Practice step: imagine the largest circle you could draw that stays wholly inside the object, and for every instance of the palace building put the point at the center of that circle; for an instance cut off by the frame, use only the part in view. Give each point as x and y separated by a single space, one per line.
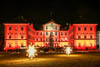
78 36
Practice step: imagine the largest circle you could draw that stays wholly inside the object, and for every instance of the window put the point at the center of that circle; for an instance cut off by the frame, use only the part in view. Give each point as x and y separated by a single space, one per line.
56 27
65 33
46 33
79 45
41 33
22 37
90 28
22 28
85 36
22 45
79 36
37 33
10 28
15 35
51 33
56 39
15 28
41 39
65 39
55 33
9 36
85 28
46 39
61 39
91 45
79 29
9 45
46 27
61 33
90 36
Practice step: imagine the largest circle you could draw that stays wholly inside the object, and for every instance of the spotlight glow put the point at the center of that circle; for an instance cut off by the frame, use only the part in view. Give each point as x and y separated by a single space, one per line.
68 50
31 51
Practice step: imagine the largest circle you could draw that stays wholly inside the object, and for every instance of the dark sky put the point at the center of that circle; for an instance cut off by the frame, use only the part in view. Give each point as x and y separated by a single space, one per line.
40 7
58 8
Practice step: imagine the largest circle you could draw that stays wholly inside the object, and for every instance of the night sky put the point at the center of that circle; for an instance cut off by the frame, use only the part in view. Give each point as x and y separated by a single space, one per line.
59 10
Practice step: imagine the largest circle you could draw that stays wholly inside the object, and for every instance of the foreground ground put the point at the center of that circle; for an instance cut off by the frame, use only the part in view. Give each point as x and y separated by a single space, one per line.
86 59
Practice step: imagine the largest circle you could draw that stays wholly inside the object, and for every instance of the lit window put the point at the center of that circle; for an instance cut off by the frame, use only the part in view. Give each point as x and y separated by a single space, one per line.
22 45
91 45
85 28
9 45
15 28
22 28
79 45
79 29
90 28
65 38
10 28
61 39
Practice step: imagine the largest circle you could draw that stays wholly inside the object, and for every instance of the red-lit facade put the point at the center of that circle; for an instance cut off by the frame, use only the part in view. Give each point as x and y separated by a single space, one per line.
78 36
51 30
83 36
16 35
